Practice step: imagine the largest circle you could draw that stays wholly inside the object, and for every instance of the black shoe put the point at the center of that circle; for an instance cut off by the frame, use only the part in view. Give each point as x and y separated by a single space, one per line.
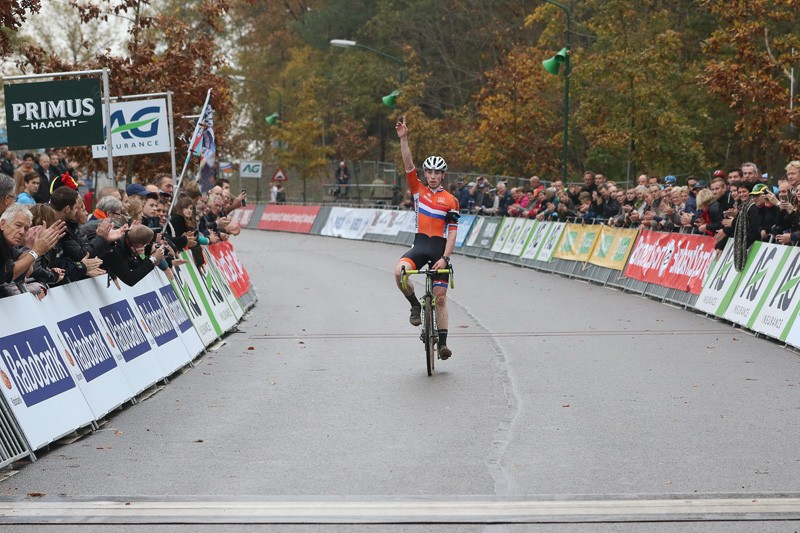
444 352
415 317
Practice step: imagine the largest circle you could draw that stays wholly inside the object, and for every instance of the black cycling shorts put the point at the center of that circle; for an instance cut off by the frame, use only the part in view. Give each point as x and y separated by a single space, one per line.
426 250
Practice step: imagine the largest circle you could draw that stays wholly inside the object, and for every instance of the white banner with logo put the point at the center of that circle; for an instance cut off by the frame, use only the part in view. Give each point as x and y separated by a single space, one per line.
720 284
222 285
137 127
548 248
475 231
250 169
516 232
180 316
762 263
189 295
536 239
348 223
524 234
385 222
776 314
502 235
110 308
95 367
36 382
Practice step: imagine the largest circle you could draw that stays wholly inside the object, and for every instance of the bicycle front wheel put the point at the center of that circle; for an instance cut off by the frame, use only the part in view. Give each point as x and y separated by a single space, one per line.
429 334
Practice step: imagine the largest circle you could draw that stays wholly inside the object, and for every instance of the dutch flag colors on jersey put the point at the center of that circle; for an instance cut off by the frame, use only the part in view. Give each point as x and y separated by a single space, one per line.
432 207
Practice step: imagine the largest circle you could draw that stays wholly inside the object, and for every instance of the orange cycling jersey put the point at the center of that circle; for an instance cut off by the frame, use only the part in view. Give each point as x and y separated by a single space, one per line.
437 211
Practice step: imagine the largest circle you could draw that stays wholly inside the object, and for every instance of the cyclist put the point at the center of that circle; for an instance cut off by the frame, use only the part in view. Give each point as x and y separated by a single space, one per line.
437 221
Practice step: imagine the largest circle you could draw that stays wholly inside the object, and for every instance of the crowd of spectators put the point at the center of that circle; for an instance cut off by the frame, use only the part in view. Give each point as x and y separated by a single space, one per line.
51 237
740 203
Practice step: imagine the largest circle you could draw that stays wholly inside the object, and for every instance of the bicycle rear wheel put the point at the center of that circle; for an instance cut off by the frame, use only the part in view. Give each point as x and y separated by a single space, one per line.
429 335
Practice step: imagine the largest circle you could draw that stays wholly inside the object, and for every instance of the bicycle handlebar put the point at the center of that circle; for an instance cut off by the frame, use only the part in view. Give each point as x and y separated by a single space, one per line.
428 272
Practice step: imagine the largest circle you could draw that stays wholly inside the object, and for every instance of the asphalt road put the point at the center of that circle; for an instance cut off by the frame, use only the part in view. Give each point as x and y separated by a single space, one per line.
566 399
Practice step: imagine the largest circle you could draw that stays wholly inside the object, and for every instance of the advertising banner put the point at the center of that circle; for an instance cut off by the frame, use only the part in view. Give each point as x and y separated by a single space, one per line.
516 233
291 218
503 234
762 263
548 249
475 231
407 222
526 231
348 223
192 300
536 239
112 310
719 284
213 270
488 232
671 260
90 359
385 222
578 241
776 313
212 297
34 376
230 267
180 318
54 113
158 326
464 225
250 169
613 247
243 215
137 127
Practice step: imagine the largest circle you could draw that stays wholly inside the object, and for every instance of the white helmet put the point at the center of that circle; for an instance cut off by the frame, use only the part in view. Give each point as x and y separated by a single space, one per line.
435 162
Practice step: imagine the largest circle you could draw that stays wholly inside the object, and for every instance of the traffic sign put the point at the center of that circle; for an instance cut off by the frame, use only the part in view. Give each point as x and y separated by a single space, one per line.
279 175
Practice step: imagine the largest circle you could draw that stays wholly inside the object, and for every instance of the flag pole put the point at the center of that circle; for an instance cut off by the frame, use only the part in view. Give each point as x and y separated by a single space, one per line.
188 156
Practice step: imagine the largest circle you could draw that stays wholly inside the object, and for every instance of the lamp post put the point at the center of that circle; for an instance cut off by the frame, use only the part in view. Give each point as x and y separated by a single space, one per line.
344 43
273 116
552 65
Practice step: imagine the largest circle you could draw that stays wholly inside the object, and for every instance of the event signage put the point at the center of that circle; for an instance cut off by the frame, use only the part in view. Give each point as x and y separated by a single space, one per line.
137 127
250 169
548 249
125 329
762 263
776 313
85 344
384 222
475 231
194 301
516 233
613 247
526 231
674 260
155 318
177 312
291 218
231 268
464 225
488 234
536 239
348 223
720 283
503 234
54 113
578 242
243 215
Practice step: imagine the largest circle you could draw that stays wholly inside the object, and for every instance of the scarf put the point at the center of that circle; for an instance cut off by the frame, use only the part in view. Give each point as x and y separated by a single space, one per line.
740 231
99 214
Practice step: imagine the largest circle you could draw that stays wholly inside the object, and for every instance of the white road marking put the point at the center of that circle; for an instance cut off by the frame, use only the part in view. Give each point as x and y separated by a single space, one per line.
372 511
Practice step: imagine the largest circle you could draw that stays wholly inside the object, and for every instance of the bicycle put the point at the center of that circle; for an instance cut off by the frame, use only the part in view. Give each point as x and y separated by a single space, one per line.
429 334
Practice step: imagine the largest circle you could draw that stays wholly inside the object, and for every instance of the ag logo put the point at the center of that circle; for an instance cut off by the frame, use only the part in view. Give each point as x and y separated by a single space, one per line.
755 281
605 246
726 266
569 241
140 126
788 286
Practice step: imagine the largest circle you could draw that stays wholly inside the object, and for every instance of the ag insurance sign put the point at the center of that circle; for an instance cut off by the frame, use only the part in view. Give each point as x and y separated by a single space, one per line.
54 113
137 127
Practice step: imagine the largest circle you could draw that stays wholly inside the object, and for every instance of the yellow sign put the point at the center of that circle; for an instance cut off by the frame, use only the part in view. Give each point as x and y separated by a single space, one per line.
577 242
613 247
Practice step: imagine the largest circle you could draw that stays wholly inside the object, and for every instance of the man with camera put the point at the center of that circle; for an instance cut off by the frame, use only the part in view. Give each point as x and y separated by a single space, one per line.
134 256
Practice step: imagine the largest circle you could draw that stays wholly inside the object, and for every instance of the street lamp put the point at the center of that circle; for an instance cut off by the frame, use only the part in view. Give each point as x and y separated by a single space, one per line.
271 119
388 100
553 66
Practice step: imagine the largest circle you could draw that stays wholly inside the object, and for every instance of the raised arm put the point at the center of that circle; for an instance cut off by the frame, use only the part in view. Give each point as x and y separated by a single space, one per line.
402 132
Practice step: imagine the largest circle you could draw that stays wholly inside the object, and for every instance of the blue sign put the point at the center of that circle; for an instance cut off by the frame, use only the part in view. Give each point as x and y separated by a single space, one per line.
125 330
36 369
85 342
156 318
176 308
464 224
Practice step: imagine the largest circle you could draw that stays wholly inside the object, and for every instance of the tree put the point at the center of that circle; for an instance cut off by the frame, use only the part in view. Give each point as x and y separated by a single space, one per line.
12 17
750 55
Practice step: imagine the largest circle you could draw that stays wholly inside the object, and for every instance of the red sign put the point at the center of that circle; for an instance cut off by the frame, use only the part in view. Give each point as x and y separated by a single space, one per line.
279 175
232 269
672 260
291 218
242 215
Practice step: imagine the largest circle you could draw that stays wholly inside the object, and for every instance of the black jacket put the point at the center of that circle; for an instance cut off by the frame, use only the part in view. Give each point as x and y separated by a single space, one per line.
125 264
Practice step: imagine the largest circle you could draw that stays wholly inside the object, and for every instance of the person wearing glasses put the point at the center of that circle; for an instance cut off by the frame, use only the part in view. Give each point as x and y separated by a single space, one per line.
108 207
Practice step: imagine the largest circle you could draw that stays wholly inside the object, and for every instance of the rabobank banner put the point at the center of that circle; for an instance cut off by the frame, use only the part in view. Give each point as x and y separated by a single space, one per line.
137 127
672 260
54 113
